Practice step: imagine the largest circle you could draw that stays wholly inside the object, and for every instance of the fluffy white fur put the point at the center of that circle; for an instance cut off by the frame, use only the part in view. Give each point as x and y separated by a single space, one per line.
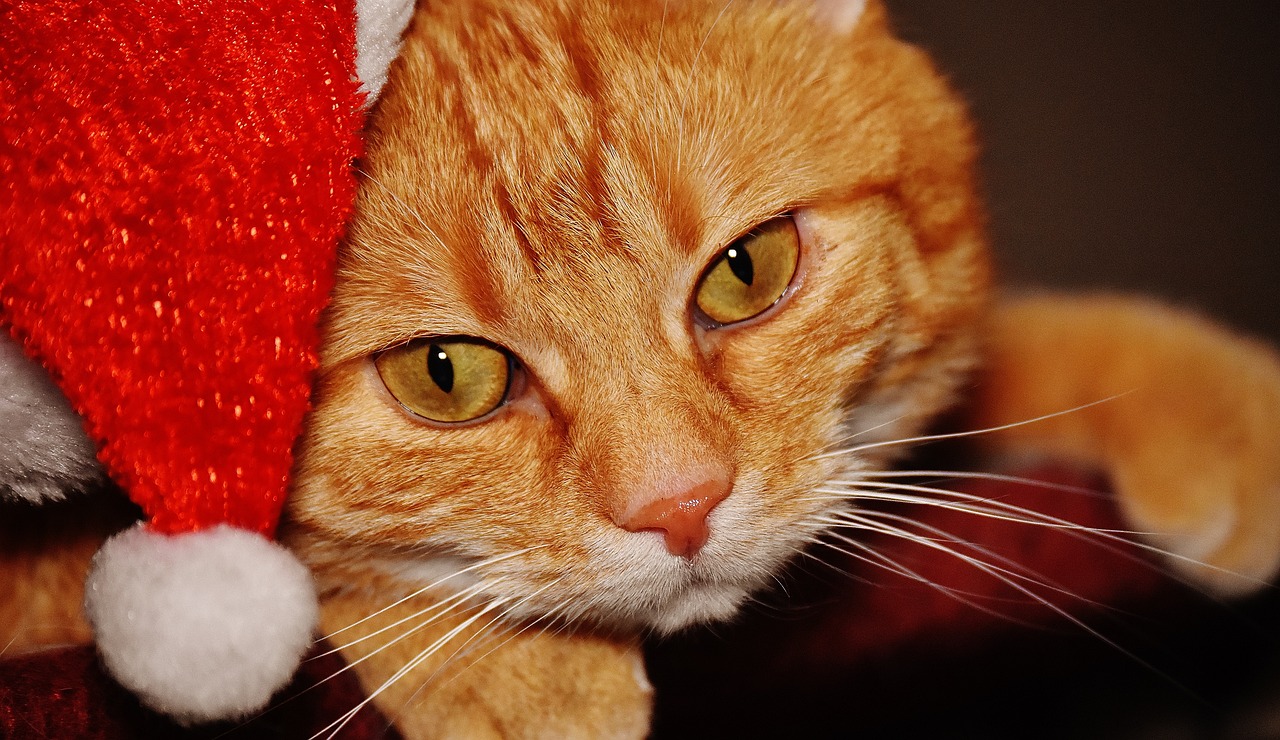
379 25
44 451
201 626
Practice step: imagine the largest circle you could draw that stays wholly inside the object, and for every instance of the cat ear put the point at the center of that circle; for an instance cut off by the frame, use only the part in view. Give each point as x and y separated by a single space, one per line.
840 15
379 25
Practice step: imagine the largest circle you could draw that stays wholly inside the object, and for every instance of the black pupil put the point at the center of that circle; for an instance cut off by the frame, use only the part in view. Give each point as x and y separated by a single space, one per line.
440 367
741 265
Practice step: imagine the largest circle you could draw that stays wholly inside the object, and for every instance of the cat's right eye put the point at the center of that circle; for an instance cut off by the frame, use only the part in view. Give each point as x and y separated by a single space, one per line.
449 379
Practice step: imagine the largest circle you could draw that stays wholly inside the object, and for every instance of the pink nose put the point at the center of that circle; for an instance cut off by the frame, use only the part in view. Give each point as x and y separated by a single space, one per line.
682 518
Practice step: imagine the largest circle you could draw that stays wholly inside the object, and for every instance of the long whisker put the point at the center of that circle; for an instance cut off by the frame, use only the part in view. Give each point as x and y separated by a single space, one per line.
457 598
475 566
9 644
484 632
444 606
477 639
854 435
881 560
1005 576
995 573
970 433
1011 568
824 543
1113 535
979 475
334 727
977 505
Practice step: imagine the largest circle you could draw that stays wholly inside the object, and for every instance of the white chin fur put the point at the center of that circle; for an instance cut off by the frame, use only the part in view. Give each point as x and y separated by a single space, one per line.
698 605
201 626
44 451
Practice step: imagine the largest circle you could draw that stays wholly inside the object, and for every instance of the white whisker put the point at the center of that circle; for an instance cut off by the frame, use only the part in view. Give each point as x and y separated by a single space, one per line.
482 631
334 727
1011 568
1034 517
978 475
446 604
475 566
546 615
885 562
855 435
1116 536
1000 575
977 505
458 598
959 435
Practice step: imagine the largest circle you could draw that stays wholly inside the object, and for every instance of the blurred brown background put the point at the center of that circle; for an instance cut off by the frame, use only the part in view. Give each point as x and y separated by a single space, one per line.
1130 144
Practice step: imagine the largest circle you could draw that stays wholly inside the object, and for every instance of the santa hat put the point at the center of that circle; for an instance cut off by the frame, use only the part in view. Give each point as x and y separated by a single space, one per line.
174 179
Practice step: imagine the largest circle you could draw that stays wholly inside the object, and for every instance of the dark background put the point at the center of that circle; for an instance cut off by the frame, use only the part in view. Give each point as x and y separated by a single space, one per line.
1127 145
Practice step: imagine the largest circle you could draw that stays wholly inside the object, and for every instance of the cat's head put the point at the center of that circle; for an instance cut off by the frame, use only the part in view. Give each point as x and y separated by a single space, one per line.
621 274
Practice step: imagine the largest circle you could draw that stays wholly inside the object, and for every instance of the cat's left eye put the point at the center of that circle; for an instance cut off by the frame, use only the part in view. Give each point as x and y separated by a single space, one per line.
449 379
751 274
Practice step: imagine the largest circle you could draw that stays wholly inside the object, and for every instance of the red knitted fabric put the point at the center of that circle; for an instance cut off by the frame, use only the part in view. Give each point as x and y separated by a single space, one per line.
174 178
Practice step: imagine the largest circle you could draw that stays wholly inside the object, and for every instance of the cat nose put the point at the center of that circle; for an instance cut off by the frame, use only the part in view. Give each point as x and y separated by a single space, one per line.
681 518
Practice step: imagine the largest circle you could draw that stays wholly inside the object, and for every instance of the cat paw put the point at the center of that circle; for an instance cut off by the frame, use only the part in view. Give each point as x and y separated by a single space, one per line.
575 687
505 682
1195 450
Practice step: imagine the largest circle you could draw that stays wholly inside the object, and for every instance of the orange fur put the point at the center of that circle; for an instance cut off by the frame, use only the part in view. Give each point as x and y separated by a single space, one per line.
44 557
553 177
1189 434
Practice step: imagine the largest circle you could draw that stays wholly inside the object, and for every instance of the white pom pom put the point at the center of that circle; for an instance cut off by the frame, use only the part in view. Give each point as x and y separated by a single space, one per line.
201 626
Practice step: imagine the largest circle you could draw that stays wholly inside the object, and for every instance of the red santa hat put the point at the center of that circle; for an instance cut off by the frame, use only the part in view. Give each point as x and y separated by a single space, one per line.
174 180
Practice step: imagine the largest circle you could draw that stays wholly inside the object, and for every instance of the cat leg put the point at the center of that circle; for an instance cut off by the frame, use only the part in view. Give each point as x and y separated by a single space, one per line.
480 679
1183 415
45 553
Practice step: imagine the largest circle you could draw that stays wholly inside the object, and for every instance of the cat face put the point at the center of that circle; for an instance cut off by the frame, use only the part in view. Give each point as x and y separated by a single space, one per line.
549 364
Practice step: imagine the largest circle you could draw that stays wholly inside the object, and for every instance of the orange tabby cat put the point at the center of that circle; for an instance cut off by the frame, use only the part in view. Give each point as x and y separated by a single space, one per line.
628 282
623 276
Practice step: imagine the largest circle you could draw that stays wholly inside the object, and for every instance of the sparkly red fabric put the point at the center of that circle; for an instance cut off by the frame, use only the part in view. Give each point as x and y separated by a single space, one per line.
174 178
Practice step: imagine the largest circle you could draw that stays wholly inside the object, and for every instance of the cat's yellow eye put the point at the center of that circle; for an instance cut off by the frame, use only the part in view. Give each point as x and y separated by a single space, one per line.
448 380
751 274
